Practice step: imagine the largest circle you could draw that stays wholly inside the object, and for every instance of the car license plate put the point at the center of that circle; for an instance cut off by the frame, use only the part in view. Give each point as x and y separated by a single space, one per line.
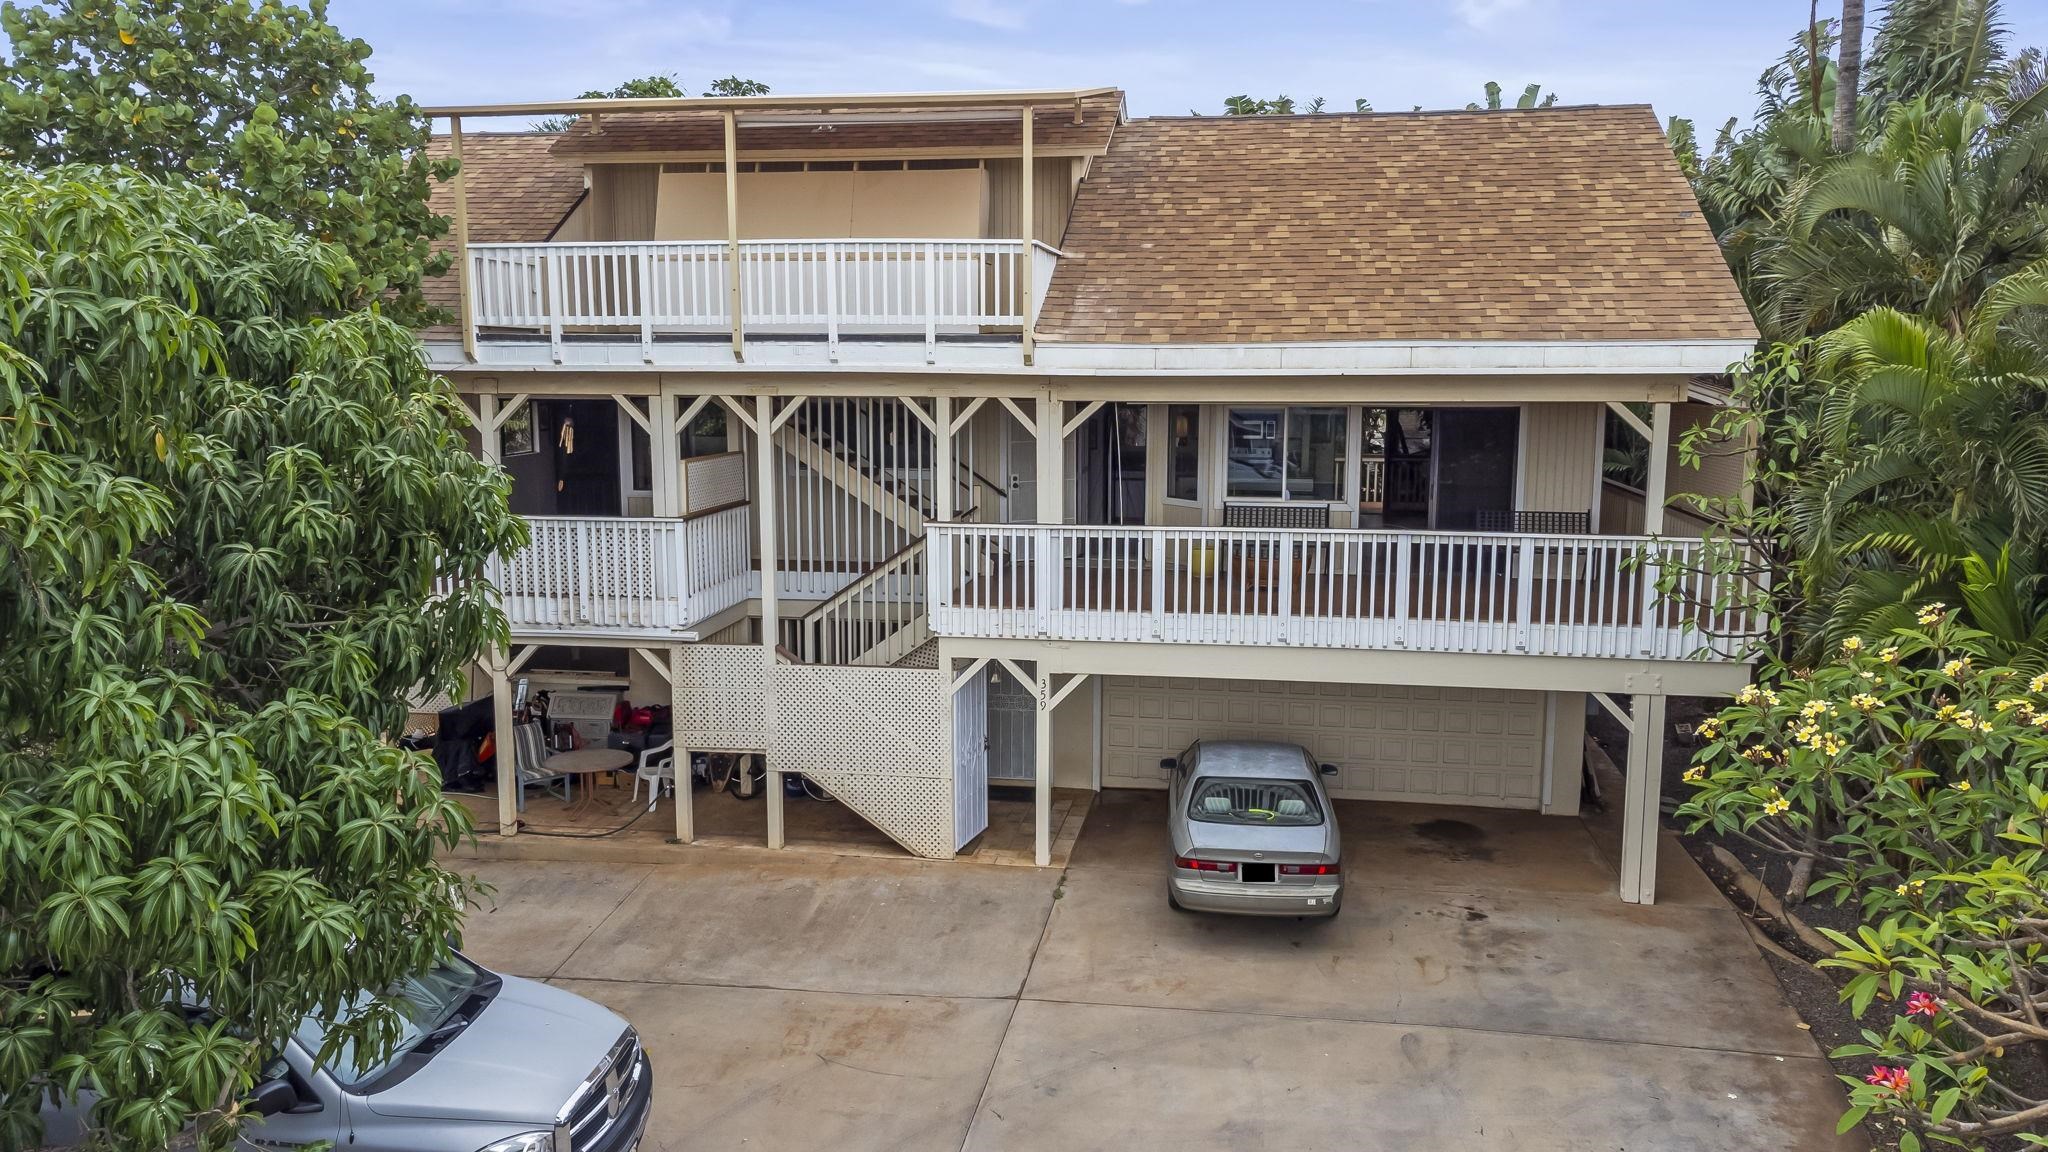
1256 873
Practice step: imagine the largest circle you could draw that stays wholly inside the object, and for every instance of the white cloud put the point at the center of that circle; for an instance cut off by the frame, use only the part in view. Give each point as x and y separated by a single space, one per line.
1481 14
987 13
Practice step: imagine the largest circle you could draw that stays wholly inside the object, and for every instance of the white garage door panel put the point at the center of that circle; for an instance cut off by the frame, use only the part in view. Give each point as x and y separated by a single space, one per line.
1391 742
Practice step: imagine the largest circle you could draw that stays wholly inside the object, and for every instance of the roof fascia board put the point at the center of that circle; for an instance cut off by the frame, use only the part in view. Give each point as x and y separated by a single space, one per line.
1419 357
760 153
796 102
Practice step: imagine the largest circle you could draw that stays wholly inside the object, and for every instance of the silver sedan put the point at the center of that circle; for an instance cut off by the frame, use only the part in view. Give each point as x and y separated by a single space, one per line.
1253 831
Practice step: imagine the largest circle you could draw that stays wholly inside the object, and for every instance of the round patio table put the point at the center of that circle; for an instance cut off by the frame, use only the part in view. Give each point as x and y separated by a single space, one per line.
584 764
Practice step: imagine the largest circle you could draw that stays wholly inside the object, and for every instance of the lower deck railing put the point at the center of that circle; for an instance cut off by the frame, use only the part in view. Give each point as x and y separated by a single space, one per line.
627 573
1400 591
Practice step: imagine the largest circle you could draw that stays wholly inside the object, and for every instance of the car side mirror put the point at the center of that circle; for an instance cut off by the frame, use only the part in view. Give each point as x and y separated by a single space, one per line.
272 1097
1169 764
1327 769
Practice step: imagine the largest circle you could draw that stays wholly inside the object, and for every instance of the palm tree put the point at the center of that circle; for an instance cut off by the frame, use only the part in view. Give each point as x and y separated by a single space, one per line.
1849 68
1943 204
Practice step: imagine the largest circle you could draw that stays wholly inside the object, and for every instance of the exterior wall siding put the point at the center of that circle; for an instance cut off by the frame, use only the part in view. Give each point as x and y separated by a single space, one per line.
621 202
1051 195
1391 742
1561 465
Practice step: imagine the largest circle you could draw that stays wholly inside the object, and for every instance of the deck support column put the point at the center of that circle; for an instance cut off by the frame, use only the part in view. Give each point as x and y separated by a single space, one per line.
1027 270
465 315
765 509
1659 464
942 457
1052 461
498 663
1041 774
1641 797
732 237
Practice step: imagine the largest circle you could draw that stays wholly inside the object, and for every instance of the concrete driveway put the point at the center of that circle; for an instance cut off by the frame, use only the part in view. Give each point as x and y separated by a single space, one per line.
1482 986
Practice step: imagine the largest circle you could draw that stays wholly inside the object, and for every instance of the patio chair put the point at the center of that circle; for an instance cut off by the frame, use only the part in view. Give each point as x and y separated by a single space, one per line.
529 762
655 764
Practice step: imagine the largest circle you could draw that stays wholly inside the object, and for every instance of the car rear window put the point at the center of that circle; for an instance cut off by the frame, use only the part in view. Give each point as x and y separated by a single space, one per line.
1231 800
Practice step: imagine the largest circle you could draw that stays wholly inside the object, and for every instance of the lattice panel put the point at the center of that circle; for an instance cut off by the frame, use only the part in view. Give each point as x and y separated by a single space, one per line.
877 739
720 692
713 482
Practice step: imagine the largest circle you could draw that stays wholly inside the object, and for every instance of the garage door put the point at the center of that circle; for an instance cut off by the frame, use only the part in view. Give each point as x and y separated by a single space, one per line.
1390 742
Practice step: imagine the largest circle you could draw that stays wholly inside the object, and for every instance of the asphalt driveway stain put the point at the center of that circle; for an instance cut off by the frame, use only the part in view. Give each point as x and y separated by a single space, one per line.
1455 839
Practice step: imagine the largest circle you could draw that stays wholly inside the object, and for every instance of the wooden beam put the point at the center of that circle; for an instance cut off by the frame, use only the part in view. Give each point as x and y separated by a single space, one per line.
632 411
1654 494
1640 800
1011 667
1030 424
1025 274
690 413
1615 710
973 670
789 411
732 235
765 509
504 413
1629 417
465 314
1073 681
505 739
658 660
520 658
961 418
736 405
1041 776
910 402
1080 418
947 478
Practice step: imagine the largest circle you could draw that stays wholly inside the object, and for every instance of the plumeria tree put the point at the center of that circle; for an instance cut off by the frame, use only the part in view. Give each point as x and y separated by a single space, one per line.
1913 773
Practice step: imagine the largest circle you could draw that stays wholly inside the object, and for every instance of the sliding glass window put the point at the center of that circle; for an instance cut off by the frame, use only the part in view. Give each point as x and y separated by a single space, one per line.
1286 453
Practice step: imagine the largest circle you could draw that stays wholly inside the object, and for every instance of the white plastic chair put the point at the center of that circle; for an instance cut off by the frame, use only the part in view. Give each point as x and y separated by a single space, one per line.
655 765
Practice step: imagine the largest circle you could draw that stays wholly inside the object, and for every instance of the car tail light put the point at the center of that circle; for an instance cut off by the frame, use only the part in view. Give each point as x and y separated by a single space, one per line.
1310 869
1194 865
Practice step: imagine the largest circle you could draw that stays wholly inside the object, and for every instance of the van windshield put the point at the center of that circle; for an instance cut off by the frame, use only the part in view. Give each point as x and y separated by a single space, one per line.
1233 800
424 1003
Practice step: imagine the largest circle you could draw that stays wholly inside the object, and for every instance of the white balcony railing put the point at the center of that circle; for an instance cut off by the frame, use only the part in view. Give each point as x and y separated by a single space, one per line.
639 574
642 291
1398 591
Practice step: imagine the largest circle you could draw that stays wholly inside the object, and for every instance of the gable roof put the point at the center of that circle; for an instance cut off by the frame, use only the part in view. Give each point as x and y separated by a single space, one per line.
1054 129
1544 224
518 191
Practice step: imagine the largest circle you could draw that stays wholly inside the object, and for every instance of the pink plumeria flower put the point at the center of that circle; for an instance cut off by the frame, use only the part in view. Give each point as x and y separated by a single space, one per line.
1896 1079
1922 1004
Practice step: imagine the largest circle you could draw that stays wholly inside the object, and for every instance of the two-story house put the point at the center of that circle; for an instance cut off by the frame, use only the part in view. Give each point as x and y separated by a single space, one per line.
927 442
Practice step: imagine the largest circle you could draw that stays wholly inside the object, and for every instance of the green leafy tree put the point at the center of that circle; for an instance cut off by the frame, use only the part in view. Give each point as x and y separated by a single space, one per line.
1532 96
1911 774
228 497
267 101
664 86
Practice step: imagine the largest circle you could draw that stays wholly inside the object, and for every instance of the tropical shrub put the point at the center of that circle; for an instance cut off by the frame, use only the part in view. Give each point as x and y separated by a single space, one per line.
1913 773
225 501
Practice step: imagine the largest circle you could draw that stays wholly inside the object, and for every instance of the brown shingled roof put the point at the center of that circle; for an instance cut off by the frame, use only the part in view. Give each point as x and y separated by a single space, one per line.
1553 224
518 191
1053 130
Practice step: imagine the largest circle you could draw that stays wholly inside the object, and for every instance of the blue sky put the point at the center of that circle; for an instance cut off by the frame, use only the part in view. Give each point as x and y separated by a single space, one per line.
1696 58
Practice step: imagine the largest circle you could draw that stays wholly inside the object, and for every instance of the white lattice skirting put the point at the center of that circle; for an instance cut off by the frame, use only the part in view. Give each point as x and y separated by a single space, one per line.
719 697
876 738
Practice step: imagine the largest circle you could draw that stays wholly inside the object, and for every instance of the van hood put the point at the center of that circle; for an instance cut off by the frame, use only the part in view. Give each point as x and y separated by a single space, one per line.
518 1061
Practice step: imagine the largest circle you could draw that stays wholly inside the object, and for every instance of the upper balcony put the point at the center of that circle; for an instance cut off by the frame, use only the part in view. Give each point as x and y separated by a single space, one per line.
893 231
926 301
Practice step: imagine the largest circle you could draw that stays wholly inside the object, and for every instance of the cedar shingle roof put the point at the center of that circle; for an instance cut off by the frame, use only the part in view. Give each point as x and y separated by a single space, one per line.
1052 129
518 191
1552 224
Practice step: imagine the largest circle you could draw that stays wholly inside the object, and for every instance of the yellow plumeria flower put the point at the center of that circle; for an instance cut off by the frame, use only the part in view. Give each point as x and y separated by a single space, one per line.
1770 698
2038 683
1832 744
1932 614
1901 889
1864 702
1962 785
1947 712
1709 728
1853 644
1750 695
1956 667
2009 705
1777 807
1889 655
1694 774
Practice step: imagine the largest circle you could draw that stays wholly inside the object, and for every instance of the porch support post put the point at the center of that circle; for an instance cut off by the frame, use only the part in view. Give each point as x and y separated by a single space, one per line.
661 455
1640 798
1026 270
942 457
1660 454
1052 461
498 663
464 313
732 235
1041 777
771 621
